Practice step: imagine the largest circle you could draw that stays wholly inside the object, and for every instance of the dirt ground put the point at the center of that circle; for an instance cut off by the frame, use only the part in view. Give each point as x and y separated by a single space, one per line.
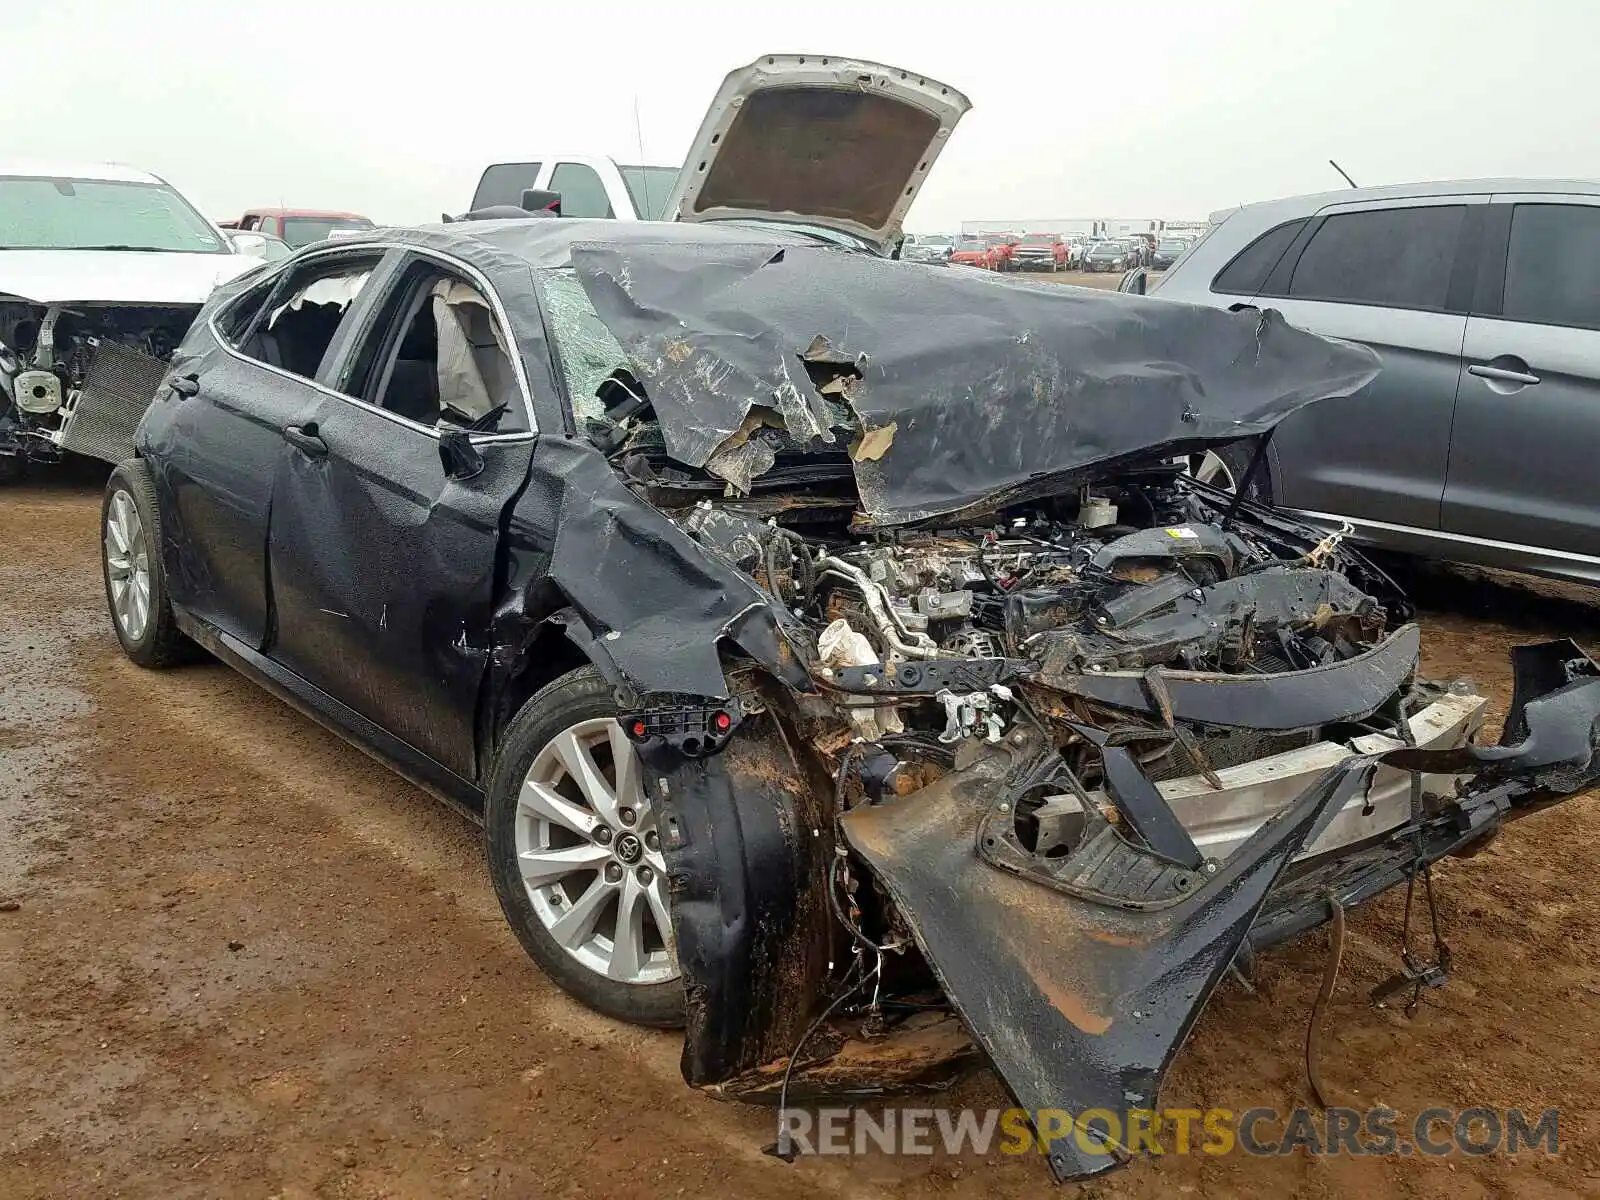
237 958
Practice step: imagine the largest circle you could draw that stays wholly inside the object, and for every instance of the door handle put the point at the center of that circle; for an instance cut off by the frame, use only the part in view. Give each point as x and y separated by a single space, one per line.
1501 374
184 385
306 439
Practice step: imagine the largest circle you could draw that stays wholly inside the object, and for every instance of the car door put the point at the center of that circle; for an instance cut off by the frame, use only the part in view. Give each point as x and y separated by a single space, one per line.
214 435
1527 428
1397 275
386 512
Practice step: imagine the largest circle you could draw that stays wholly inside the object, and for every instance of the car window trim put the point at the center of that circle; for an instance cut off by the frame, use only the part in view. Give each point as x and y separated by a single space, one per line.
1488 298
479 280
1276 284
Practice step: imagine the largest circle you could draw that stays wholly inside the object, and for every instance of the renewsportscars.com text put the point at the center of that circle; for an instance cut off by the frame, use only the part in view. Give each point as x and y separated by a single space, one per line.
1434 1132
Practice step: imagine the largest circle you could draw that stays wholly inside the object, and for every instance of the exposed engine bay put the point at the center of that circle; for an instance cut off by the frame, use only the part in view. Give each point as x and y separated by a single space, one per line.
961 625
1085 757
53 356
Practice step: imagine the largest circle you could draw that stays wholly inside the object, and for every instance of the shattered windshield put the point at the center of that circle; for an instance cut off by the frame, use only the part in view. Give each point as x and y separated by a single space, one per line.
588 351
44 213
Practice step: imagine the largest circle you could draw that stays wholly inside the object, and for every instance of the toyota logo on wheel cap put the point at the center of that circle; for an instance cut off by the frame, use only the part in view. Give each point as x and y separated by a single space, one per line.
629 848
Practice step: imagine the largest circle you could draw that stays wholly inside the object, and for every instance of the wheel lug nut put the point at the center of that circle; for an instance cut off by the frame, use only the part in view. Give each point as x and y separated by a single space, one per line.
613 872
652 840
628 816
646 874
602 834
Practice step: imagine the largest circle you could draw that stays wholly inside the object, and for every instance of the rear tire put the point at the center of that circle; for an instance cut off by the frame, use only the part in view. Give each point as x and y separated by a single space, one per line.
551 863
130 561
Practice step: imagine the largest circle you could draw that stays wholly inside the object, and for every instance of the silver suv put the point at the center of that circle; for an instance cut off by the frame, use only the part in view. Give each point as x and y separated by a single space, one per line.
1480 439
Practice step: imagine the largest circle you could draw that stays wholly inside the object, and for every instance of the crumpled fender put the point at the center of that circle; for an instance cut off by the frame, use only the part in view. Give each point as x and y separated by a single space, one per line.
1081 999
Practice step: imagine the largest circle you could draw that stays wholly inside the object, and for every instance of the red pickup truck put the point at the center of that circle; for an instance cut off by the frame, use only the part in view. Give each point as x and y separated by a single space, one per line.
298 226
1040 252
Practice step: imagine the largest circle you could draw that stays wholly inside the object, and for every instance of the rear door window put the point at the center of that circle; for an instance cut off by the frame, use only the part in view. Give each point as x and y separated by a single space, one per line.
504 183
293 323
1553 266
1394 257
582 192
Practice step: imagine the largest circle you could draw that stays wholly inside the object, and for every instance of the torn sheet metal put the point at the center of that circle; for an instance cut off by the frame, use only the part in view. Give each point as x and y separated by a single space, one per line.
997 389
649 606
1348 690
1079 1005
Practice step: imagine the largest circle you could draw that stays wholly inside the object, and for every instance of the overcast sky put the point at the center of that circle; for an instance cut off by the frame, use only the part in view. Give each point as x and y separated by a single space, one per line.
1141 108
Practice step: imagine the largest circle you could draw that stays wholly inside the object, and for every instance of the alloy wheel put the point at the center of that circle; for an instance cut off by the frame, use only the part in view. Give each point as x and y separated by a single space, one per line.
1209 467
589 852
127 550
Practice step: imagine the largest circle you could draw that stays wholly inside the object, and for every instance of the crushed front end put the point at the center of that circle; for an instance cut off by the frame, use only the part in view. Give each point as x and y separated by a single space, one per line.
1055 777
981 732
77 377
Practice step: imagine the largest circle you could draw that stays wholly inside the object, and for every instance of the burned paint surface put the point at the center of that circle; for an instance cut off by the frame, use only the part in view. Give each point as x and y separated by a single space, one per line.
994 387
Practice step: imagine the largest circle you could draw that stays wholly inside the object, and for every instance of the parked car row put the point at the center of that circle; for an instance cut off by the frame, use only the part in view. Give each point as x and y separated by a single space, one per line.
1046 251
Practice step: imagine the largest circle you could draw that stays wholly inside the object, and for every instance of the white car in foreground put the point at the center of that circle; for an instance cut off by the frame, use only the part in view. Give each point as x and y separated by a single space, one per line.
102 269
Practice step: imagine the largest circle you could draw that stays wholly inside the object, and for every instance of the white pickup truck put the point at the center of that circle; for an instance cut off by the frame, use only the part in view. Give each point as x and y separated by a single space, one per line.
590 186
833 148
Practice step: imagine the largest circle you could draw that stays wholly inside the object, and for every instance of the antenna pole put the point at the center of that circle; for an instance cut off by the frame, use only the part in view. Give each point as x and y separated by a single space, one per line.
1341 171
644 175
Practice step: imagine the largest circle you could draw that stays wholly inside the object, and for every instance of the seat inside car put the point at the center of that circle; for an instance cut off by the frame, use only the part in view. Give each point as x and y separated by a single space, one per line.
451 363
411 389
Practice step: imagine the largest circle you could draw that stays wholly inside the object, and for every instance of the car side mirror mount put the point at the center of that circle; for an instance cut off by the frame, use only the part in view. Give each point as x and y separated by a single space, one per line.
1134 282
460 458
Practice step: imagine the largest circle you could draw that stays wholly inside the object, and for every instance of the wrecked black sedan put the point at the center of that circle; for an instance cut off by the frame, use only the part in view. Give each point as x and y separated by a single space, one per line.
832 654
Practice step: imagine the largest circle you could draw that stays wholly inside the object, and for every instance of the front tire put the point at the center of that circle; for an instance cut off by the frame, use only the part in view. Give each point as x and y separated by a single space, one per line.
130 560
575 855
1225 468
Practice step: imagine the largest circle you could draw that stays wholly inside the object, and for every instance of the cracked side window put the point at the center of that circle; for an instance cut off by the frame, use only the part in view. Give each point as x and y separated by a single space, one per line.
589 353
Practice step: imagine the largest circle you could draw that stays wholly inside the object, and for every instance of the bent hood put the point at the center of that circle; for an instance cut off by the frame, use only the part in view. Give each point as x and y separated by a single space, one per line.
116 276
951 388
835 142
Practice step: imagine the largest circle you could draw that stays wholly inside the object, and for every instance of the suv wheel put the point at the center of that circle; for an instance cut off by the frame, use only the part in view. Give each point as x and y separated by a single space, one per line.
575 854
130 556
1226 467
